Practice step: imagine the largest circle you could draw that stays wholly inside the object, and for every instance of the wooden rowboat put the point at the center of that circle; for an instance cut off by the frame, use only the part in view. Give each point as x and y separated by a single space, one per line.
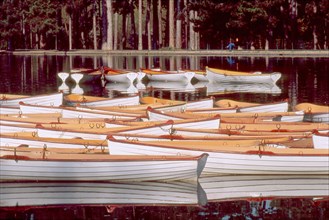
313 112
321 140
253 107
54 194
166 76
225 76
71 112
120 76
54 99
94 101
34 141
22 164
257 159
85 75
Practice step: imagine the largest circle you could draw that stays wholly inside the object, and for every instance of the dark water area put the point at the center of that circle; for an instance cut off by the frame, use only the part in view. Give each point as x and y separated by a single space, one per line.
303 80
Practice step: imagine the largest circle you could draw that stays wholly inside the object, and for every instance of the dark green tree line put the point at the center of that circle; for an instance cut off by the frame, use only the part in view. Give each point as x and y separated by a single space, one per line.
197 24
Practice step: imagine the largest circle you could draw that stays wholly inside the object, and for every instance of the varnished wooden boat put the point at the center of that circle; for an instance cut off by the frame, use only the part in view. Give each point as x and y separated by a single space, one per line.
97 131
314 112
9 110
22 164
166 76
54 99
45 118
120 76
94 101
321 140
224 76
34 141
85 75
243 158
254 107
72 112
200 75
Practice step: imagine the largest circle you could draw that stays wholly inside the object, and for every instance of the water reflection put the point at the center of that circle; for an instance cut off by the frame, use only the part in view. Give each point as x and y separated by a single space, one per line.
101 193
302 78
219 197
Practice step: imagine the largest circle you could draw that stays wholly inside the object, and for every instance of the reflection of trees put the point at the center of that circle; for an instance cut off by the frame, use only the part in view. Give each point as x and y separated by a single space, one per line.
297 208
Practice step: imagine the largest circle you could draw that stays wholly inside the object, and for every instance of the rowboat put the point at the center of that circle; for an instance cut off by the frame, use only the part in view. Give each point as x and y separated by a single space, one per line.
228 114
54 99
63 76
220 137
85 75
166 76
55 194
24 164
213 110
224 76
45 118
97 131
253 107
313 112
242 158
195 104
9 110
34 141
239 133
120 76
321 140
94 101
263 187
279 126
71 112
200 75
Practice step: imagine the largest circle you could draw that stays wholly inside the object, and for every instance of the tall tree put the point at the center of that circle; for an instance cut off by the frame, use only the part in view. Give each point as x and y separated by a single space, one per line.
140 34
171 25
178 26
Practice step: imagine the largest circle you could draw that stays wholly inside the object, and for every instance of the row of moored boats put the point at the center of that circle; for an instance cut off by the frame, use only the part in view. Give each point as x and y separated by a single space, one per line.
56 137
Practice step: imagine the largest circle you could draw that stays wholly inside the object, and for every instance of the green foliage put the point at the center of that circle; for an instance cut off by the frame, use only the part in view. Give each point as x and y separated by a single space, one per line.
217 22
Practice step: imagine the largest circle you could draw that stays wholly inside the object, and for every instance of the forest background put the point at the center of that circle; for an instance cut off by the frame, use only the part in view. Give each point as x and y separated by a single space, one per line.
163 24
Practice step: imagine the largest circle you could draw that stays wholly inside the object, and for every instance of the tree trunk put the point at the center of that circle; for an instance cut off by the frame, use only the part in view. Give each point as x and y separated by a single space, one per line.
124 33
133 25
160 24
148 24
109 40
192 37
171 24
115 43
178 27
293 22
196 34
155 36
140 35
94 27
70 33
104 25
315 36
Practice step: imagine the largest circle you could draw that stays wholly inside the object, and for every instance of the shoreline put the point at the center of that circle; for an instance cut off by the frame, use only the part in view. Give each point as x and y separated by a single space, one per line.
256 53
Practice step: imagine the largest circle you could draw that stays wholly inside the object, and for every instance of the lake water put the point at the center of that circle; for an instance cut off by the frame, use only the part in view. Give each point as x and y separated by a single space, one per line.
303 80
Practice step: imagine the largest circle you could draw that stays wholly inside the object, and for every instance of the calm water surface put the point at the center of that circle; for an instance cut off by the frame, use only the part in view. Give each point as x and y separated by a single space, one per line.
303 80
